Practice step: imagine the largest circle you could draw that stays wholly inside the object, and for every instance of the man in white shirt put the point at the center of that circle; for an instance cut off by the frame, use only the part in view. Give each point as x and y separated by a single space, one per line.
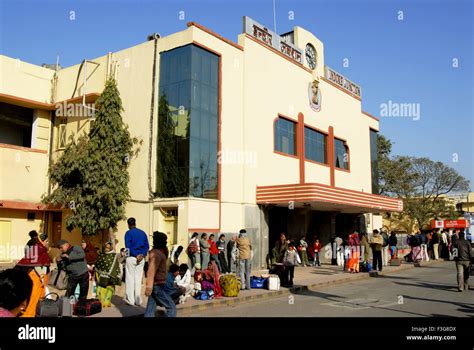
183 280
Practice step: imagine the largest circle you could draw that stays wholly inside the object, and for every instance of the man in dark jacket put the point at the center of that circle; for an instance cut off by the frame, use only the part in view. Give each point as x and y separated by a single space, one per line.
72 258
463 261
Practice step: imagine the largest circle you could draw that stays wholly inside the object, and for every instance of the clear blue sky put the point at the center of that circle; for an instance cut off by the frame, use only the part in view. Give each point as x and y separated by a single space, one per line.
407 61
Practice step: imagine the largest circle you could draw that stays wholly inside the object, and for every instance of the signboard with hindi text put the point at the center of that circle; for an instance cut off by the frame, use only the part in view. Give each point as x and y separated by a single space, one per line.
272 39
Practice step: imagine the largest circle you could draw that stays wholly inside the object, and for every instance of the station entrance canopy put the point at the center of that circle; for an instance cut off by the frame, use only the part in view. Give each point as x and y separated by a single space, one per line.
327 198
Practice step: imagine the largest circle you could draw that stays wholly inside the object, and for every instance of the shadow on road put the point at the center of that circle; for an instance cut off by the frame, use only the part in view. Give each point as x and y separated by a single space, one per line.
446 287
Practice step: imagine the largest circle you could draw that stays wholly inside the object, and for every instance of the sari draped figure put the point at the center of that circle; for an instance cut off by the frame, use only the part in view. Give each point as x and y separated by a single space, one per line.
36 263
107 277
211 276
354 257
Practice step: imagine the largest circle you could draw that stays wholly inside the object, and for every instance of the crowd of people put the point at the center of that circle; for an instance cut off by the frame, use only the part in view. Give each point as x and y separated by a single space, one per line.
170 280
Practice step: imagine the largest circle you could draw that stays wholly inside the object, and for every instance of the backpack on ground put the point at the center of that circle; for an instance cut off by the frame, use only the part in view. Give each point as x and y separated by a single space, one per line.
204 295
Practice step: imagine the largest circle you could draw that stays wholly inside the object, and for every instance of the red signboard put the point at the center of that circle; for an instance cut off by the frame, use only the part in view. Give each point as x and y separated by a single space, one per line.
449 223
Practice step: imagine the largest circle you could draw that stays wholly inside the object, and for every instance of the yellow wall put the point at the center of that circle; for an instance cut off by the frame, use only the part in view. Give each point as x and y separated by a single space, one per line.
25 80
20 227
23 174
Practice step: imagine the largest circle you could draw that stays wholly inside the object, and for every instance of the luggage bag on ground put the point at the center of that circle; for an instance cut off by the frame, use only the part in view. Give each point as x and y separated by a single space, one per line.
230 285
58 279
48 307
273 282
87 307
258 282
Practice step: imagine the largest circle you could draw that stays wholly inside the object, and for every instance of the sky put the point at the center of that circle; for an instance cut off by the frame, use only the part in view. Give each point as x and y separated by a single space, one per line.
415 52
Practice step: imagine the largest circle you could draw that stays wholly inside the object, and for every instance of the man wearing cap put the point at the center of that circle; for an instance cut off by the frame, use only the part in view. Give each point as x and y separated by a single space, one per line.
73 259
137 246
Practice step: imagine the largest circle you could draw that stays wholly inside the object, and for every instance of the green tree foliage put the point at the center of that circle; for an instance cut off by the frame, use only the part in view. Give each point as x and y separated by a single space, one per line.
171 180
91 176
421 183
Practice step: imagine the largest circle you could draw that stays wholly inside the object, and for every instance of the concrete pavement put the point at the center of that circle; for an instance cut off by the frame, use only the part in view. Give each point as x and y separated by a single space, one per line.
305 278
428 291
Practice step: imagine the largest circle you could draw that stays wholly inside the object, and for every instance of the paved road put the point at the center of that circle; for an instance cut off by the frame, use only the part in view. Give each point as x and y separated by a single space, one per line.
423 291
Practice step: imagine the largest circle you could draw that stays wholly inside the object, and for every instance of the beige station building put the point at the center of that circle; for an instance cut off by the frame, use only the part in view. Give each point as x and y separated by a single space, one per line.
266 137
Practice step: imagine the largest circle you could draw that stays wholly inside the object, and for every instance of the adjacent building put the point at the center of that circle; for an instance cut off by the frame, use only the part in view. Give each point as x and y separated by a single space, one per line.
263 136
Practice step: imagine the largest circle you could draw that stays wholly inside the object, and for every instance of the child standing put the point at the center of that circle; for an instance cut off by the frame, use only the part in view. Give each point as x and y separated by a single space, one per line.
317 249
290 260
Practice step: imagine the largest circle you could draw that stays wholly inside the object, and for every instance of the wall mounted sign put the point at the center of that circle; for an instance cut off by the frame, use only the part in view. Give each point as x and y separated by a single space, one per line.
342 81
314 95
449 223
272 39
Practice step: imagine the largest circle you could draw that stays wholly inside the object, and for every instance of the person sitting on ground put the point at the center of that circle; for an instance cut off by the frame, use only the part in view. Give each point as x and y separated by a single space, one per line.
210 278
36 263
290 260
15 290
183 280
175 254
170 288
197 281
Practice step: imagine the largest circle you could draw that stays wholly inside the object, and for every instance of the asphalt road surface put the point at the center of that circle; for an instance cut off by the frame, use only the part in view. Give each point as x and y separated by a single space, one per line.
419 292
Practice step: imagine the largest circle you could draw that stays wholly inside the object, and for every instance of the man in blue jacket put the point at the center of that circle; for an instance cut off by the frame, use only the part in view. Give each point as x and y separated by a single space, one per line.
137 246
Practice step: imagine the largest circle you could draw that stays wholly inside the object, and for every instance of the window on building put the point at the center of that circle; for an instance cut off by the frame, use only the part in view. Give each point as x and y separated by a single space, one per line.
16 124
341 154
285 136
315 145
188 123
62 139
374 161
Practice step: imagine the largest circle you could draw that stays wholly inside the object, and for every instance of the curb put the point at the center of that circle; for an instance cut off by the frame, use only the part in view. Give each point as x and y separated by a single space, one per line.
217 303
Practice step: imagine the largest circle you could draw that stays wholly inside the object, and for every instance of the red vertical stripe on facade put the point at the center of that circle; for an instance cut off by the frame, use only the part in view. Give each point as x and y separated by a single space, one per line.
331 155
300 145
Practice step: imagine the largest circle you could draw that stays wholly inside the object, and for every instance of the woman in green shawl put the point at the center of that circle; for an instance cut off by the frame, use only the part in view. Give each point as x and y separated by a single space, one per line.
107 274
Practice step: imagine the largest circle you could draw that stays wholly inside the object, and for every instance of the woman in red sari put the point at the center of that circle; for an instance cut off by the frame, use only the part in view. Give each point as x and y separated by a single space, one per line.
36 263
354 246
212 275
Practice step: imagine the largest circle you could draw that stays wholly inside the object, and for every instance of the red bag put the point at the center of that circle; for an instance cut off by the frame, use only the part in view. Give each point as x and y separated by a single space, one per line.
87 307
193 247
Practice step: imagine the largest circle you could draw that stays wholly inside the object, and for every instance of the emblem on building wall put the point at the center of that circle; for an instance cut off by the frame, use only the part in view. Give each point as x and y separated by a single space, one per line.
314 94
